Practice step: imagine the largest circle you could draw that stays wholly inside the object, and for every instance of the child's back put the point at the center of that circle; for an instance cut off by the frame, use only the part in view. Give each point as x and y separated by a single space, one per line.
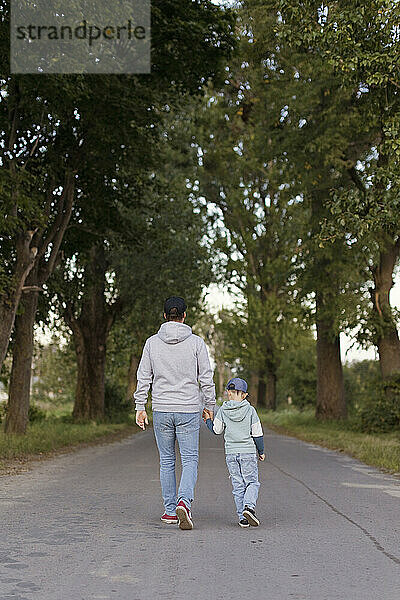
241 426
240 423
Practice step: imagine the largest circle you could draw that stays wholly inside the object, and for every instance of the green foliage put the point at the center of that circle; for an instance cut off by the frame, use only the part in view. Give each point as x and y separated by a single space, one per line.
90 128
374 405
54 375
355 48
381 411
116 406
360 382
380 449
51 435
35 414
297 377
272 147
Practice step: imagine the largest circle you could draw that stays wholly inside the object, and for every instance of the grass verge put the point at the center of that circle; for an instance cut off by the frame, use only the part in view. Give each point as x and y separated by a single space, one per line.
47 437
380 450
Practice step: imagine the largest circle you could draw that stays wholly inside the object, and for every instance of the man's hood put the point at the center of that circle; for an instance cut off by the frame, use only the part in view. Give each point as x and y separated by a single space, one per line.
236 411
173 332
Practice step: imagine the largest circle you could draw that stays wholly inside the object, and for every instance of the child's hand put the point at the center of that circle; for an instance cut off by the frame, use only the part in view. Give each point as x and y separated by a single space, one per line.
261 457
206 415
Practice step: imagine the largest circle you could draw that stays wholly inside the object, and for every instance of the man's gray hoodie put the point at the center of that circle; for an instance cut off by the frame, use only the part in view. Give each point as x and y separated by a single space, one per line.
174 362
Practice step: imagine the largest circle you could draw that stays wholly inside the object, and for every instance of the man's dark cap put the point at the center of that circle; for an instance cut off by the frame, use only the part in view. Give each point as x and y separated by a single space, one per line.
175 302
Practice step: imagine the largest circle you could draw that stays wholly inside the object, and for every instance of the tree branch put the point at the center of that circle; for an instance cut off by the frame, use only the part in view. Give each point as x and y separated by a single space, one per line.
357 180
59 227
66 216
113 311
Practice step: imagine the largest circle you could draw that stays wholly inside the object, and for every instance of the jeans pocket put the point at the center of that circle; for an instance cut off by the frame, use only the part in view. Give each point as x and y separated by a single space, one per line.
187 423
161 422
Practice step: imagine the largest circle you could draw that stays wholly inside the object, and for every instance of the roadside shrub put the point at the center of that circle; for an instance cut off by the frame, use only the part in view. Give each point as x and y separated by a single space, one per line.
116 406
381 413
297 375
361 382
35 413
2 411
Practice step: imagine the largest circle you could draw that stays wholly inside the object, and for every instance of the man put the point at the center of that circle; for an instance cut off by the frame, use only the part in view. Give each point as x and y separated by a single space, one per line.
174 362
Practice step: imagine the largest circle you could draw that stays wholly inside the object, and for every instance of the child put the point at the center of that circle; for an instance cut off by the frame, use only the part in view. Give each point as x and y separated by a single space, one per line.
243 435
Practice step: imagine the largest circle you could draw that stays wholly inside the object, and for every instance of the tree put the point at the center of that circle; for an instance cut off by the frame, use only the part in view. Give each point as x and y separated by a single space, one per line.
37 185
104 142
367 61
257 172
319 134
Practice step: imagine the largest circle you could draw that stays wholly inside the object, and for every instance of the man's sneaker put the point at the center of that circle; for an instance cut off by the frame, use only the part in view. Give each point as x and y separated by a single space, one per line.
250 515
244 523
184 515
170 519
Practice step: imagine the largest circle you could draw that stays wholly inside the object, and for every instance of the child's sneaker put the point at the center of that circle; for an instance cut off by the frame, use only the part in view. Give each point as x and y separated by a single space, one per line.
244 523
169 519
250 515
184 515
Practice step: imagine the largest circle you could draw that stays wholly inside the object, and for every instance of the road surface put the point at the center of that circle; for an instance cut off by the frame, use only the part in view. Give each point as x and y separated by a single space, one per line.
85 526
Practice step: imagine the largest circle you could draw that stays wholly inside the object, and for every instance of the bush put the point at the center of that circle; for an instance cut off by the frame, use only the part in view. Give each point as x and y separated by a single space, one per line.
3 406
116 406
382 412
360 383
35 413
297 375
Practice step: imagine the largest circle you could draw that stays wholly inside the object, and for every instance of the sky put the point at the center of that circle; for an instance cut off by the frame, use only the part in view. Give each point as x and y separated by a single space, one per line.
218 298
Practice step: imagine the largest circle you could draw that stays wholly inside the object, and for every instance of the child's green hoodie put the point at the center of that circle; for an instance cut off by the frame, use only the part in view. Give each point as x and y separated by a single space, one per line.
240 423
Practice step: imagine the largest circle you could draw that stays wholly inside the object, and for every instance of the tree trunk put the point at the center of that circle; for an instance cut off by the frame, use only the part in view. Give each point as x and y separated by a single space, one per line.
90 347
25 258
90 331
261 392
270 390
387 337
20 380
331 402
132 380
267 389
220 366
253 388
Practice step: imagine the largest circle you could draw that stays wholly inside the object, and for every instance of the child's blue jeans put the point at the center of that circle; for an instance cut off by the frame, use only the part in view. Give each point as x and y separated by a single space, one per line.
243 471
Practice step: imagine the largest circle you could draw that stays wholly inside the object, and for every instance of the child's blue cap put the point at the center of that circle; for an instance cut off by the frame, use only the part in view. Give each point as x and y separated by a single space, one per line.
237 384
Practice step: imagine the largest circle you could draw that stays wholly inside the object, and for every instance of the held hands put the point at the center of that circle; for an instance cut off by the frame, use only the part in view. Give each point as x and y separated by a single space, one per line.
261 457
207 414
142 419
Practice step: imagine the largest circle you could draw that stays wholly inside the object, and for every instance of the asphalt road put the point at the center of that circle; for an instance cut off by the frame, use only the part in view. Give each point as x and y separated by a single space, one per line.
86 526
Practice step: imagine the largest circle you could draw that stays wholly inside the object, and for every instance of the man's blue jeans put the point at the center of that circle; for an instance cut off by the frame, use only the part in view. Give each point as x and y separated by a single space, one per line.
243 471
184 427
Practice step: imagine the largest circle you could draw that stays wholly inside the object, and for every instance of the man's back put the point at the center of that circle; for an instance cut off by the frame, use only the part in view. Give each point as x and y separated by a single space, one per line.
175 361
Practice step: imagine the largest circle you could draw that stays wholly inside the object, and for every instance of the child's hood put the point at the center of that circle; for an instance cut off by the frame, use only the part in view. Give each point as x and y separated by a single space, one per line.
236 411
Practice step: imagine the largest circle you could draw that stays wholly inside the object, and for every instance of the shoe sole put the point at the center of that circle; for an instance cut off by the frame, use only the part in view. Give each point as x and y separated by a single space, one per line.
185 521
244 526
251 518
169 522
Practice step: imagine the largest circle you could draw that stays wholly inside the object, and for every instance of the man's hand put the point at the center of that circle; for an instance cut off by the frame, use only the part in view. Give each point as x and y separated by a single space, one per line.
142 419
261 457
207 414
